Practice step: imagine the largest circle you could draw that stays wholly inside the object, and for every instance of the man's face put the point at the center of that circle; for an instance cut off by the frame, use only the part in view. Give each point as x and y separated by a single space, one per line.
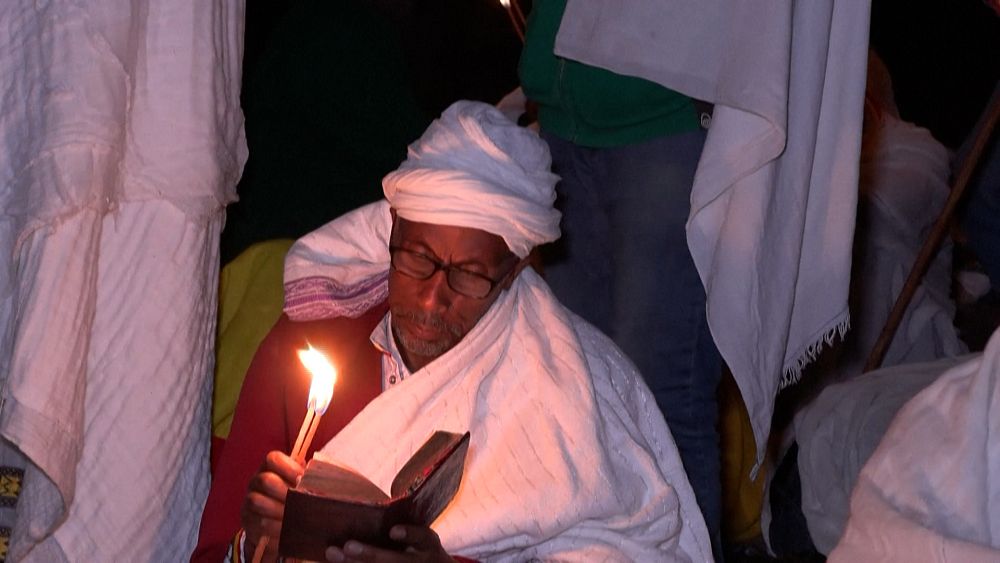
429 317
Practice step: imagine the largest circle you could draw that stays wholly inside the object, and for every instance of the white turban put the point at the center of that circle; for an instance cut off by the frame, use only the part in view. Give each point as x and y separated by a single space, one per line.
475 168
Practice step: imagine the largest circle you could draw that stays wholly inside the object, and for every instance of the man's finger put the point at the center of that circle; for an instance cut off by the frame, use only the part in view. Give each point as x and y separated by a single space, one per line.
422 544
263 506
284 466
269 484
357 552
264 527
258 527
420 538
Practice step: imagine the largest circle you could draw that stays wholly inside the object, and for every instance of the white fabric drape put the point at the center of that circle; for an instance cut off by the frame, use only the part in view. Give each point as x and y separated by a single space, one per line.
773 204
904 175
930 491
120 142
838 432
904 185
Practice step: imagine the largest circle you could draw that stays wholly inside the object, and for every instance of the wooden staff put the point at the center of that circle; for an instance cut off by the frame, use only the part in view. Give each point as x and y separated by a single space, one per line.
929 250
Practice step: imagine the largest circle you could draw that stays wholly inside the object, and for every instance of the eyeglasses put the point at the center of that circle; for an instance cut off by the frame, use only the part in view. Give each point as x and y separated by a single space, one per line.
421 267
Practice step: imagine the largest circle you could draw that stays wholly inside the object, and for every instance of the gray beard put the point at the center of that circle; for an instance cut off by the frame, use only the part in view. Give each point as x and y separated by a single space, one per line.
423 347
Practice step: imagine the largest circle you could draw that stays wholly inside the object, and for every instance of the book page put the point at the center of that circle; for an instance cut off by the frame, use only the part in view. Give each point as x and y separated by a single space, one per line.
334 481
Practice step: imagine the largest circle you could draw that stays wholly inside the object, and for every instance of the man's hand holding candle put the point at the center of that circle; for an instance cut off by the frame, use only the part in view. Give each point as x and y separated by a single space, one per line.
264 505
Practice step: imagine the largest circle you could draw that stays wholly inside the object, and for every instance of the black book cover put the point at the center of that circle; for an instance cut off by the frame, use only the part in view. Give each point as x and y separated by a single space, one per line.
332 504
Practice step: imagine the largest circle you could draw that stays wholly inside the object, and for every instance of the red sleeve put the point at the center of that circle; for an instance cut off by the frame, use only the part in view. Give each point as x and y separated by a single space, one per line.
258 427
271 408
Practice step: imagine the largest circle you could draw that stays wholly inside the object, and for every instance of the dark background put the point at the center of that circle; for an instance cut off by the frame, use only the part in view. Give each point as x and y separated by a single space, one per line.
455 49
944 58
333 90
944 55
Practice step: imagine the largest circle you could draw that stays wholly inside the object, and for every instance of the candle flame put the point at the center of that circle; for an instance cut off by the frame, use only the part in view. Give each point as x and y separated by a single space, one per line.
505 3
324 377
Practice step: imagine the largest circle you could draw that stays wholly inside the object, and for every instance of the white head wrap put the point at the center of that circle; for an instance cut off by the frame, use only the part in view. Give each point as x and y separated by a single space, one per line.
475 168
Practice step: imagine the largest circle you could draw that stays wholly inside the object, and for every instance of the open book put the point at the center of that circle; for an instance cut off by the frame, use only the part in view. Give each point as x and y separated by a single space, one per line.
333 504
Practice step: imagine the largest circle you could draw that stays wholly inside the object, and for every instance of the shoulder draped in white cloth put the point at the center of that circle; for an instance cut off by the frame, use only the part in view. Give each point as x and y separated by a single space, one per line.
773 203
570 458
931 492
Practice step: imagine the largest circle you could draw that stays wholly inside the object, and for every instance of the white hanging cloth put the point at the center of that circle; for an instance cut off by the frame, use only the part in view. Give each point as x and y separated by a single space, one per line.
121 139
773 203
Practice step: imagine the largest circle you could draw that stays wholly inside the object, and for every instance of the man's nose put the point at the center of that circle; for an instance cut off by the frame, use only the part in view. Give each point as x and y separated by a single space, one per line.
435 293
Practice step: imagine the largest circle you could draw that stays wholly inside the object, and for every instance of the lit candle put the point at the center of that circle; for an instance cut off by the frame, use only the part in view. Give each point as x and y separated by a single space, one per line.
324 377
516 17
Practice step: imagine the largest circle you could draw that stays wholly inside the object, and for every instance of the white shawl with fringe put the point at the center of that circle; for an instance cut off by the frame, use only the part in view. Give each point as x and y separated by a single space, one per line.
773 203
569 458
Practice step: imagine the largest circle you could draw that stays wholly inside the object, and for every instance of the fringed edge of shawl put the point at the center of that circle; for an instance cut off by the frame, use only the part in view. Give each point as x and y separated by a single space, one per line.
792 373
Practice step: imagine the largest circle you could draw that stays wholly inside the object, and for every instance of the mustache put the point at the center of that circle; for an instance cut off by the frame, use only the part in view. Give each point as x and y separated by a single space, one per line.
432 320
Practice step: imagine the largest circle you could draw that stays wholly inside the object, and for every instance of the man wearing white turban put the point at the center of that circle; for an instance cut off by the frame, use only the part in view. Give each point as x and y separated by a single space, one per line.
424 303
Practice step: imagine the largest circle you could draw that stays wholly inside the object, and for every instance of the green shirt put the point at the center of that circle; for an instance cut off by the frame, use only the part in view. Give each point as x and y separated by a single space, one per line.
591 106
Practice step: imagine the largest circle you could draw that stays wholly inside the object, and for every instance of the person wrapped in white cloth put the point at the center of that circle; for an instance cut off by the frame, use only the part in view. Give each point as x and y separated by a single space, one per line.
930 492
570 459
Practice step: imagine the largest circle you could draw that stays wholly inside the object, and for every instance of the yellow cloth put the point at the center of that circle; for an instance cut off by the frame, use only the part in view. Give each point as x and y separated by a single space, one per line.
251 296
742 498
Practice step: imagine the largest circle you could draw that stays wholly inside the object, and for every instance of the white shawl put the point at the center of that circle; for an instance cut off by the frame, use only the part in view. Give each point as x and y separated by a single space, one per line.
931 492
773 204
570 458
839 431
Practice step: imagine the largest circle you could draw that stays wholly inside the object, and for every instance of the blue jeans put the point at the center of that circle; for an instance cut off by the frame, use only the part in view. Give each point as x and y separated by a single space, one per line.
623 264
